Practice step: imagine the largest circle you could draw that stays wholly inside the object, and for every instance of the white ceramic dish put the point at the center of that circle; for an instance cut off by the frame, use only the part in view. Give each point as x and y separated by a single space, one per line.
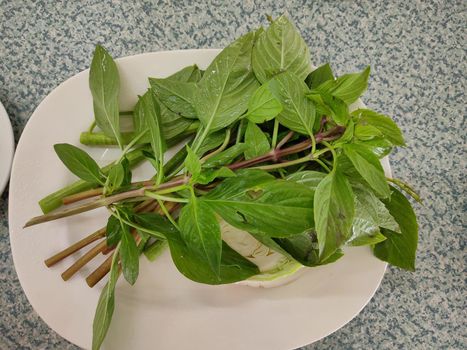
163 310
7 147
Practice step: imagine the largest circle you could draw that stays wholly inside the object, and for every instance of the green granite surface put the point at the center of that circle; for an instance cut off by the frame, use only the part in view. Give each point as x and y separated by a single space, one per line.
417 50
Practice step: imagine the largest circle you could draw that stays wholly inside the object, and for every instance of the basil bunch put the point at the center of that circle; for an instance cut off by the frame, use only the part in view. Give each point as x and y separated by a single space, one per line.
275 148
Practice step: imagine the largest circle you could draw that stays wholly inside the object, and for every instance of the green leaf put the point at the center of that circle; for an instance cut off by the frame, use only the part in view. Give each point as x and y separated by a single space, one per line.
79 163
155 249
233 266
369 167
104 83
368 239
256 142
115 178
334 212
227 85
263 106
298 112
383 123
280 48
366 132
256 202
319 75
225 157
309 178
156 223
304 248
127 174
105 307
209 175
175 95
370 215
201 232
113 231
187 74
347 136
148 109
329 105
348 87
399 249
192 163
129 255
172 124
271 243
379 146
212 141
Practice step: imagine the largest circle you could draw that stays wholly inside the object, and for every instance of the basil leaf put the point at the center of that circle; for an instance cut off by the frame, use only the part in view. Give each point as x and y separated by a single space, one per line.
271 243
379 146
319 75
201 232
327 104
370 215
209 175
175 95
334 212
187 74
298 112
104 83
304 248
233 268
105 308
79 163
367 239
127 174
253 202
115 178
369 167
263 106
347 136
225 157
212 141
148 109
383 123
113 231
172 124
192 163
156 223
129 255
309 178
155 249
399 249
366 132
256 142
348 87
227 85
280 48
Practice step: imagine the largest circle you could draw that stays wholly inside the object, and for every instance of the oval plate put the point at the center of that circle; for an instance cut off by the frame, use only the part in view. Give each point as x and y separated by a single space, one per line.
163 310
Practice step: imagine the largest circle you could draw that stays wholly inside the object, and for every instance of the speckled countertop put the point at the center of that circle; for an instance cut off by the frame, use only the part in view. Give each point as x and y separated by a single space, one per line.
418 58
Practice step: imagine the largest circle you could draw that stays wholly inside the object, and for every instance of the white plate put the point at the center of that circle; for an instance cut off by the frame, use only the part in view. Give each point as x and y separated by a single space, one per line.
7 147
163 310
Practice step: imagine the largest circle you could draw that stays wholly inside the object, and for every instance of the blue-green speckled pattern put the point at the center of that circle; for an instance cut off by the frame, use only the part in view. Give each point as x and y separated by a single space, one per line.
418 58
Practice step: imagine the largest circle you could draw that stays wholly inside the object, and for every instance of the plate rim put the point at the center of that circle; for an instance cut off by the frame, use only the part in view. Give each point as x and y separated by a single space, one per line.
122 60
7 132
